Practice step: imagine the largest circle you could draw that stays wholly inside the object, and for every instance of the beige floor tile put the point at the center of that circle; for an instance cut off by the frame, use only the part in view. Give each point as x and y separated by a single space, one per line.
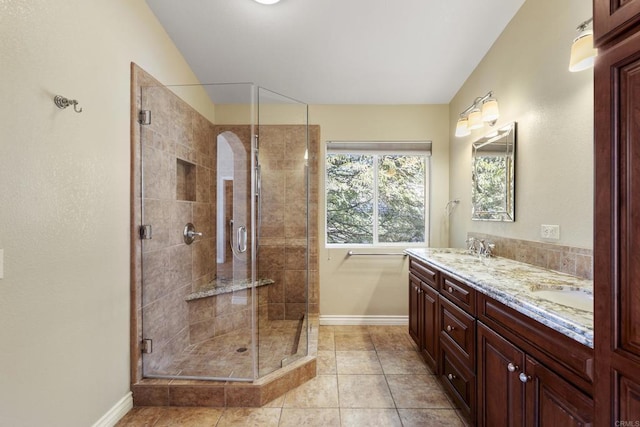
350 342
326 341
429 418
326 363
417 391
357 363
388 329
250 417
189 417
364 391
351 329
392 342
369 417
402 362
141 417
310 417
319 392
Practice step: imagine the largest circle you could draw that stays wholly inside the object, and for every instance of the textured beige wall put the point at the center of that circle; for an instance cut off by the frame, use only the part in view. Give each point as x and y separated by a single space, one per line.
527 68
64 202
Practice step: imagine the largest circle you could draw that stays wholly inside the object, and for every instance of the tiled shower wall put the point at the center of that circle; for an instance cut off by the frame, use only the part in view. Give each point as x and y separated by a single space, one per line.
283 234
179 169
566 259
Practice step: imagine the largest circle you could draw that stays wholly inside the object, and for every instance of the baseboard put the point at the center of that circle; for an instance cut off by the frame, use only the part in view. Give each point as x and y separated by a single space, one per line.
116 413
334 320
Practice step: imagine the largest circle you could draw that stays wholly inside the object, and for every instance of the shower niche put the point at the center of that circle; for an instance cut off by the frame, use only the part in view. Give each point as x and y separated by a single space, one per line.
233 305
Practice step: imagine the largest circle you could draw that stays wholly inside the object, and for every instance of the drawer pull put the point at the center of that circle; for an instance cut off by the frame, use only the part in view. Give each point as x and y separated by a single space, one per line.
450 328
450 289
524 377
451 377
511 367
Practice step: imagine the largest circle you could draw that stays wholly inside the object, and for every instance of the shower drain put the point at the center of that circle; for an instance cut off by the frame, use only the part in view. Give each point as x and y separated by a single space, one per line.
241 349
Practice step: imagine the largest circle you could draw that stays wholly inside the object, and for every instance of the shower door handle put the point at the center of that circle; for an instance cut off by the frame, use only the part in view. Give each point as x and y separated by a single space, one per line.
241 239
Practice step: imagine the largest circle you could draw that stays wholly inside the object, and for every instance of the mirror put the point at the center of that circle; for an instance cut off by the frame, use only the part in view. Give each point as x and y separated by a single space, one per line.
493 176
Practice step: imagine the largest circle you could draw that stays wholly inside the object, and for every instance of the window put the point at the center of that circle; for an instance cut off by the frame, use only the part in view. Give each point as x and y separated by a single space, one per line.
376 193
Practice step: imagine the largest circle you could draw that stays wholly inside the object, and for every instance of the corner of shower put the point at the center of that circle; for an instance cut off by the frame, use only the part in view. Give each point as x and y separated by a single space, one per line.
220 236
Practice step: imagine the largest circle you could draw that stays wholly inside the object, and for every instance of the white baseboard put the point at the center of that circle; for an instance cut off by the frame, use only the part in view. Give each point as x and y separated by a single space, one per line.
334 320
118 411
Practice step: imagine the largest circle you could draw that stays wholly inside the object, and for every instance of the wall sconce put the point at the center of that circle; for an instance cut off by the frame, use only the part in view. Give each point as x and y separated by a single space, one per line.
483 110
582 51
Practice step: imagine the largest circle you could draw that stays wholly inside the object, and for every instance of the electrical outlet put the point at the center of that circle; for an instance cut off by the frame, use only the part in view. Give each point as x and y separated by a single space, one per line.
550 232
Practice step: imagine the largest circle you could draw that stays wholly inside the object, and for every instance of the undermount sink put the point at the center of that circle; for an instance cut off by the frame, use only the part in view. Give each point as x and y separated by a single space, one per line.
571 298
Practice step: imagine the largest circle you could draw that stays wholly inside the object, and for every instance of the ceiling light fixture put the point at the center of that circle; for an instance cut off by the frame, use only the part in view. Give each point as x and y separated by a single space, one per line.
583 53
483 110
267 1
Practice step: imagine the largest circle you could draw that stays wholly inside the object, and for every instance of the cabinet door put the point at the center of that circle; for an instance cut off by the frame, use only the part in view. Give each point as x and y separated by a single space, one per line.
617 230
500 391
429 336
552 401
614 17
415 308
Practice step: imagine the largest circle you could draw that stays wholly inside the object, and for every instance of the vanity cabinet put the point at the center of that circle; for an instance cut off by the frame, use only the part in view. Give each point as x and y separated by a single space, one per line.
457 346
515 389
499 365
423 310
617 211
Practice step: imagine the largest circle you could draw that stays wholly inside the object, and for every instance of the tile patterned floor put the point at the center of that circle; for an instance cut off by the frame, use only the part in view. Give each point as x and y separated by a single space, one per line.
367 376
218 357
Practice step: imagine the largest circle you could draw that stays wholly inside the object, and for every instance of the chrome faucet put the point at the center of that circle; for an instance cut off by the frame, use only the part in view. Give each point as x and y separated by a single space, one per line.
480 247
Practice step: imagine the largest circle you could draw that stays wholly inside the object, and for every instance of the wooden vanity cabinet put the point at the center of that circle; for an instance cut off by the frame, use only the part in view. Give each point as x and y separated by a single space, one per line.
423 310
514 389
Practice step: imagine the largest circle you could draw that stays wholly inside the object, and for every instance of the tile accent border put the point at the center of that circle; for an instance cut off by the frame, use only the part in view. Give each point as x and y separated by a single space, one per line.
565 259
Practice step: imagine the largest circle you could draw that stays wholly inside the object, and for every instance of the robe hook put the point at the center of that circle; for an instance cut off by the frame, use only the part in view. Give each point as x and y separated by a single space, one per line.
62 103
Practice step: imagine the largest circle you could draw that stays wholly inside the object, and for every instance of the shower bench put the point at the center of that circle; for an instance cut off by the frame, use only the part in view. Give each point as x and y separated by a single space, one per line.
225 286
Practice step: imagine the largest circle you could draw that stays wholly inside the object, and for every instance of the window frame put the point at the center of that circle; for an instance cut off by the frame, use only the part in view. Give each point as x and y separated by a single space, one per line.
381 148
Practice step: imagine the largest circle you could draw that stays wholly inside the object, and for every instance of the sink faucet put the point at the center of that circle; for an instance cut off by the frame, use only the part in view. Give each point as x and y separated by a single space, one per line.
480 247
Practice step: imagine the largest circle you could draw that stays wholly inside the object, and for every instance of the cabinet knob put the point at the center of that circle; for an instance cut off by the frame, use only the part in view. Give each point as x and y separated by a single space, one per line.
450 328
451 377
524 377
511 367
450 289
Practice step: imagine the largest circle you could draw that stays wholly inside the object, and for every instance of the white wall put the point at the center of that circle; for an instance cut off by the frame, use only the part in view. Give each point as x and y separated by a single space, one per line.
527 68
64 202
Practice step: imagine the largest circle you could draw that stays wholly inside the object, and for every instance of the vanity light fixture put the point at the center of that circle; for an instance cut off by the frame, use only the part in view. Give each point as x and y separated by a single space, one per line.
267 1
483 110
582 51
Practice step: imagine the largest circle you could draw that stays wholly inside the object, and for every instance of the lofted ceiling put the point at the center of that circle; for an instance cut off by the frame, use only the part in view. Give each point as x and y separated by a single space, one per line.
338 51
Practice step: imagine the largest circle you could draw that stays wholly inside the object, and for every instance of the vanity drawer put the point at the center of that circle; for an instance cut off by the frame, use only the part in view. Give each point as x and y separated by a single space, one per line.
424 272
459 329
460 383
461 294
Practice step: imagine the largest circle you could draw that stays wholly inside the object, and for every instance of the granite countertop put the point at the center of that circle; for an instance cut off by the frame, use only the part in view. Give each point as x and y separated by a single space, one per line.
225 286
517 285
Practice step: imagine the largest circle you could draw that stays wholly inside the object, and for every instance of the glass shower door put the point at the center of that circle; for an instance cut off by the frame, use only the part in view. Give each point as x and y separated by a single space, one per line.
197 304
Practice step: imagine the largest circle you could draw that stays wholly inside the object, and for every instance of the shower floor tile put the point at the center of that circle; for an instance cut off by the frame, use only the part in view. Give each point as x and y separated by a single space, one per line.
231 356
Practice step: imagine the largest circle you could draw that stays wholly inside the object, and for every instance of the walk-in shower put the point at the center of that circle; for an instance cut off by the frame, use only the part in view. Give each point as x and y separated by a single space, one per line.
221 213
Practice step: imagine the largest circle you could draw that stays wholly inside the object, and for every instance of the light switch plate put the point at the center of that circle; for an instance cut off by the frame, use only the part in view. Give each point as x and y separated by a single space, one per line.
550 232
1 264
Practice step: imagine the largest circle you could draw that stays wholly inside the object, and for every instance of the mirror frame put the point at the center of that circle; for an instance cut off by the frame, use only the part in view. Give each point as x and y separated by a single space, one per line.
504 146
